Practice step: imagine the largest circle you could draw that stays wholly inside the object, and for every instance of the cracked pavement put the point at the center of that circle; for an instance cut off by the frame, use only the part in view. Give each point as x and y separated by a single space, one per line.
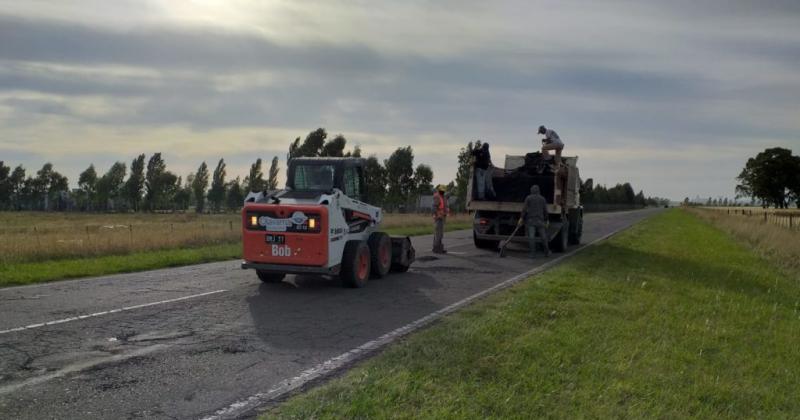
188 358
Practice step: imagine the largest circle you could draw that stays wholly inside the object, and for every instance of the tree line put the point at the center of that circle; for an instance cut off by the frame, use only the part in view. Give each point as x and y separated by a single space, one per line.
147 185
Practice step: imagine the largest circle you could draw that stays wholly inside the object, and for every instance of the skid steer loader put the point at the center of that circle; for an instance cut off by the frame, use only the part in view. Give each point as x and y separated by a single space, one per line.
319 225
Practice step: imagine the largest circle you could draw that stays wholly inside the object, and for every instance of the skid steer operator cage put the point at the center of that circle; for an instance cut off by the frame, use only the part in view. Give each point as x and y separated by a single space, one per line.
322 175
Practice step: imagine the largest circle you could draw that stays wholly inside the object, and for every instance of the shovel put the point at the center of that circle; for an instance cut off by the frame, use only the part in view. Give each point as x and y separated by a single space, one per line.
506 242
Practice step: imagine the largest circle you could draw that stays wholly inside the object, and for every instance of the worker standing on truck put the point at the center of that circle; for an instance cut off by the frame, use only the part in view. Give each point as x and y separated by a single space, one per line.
551 141
440 210
535 216
483 172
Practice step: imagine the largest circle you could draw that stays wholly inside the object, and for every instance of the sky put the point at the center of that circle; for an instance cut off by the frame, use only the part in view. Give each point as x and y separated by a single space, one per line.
670 96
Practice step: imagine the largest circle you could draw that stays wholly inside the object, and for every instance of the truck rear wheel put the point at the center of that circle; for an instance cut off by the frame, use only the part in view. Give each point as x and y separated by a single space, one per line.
484 243
576 229
560 242
355 264
380 248
268 277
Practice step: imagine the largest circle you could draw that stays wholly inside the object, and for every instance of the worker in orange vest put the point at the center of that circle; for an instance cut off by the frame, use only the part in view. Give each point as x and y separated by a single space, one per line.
440 211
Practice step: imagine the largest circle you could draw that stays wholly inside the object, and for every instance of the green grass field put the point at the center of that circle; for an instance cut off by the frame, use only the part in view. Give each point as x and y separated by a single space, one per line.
672 318
72 245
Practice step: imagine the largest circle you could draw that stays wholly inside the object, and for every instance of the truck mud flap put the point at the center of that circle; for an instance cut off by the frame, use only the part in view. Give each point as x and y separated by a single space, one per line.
403 253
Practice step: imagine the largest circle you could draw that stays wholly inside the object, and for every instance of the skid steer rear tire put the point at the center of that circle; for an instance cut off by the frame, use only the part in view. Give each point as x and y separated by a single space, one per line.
380 249
355 264
268 277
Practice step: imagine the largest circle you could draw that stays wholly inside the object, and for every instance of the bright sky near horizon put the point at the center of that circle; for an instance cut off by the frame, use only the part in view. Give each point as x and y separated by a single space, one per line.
671 96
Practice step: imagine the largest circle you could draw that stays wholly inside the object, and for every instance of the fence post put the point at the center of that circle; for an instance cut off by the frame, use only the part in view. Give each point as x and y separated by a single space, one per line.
130 233
765 217
87 234
230 225
38 241
791 216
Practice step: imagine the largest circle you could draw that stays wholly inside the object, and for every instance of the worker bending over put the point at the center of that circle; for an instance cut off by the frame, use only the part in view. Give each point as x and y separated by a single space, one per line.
551 141
440 210
535 217
483 172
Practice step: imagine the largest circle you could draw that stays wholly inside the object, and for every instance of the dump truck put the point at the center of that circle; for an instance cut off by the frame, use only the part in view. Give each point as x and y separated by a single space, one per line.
495 219
320 225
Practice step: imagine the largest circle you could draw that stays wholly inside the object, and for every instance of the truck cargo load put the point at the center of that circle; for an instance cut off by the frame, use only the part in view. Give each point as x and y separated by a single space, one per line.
496 219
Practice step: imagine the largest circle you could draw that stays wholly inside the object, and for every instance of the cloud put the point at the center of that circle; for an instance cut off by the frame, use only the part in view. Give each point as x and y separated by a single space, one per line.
650 84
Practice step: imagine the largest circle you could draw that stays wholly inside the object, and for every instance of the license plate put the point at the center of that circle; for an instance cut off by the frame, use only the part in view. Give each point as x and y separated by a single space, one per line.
276 239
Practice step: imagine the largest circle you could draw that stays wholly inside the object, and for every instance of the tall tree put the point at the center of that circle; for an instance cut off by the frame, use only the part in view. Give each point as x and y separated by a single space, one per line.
159 184
272 181
311 146
375 181
423 179
40 185
199 185
334 147
5 186
216 195
110 187
17 182
255 180
400 176
234 195
462 174
134 186
315 145
183 194
769 176
87 182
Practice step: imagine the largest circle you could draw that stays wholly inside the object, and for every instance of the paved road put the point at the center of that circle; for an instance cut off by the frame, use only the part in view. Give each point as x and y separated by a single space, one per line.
185 342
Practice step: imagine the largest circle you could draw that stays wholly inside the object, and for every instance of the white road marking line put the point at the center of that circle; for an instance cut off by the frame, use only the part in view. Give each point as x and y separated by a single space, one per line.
112 311
325 368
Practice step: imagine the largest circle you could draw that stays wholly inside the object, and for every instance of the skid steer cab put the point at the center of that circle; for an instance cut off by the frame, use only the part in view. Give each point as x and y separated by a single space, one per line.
320 225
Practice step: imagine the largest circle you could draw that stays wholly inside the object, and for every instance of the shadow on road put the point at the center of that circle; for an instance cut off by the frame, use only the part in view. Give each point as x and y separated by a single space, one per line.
316 312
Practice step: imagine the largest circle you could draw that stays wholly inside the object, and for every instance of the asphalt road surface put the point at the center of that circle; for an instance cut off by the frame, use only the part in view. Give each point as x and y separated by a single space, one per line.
185 342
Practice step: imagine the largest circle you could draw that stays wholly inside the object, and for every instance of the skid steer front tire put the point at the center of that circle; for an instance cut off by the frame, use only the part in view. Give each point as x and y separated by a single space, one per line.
355 264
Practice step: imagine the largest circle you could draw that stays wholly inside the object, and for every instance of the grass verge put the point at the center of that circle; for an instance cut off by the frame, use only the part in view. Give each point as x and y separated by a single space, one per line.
671 318
28 272
37 272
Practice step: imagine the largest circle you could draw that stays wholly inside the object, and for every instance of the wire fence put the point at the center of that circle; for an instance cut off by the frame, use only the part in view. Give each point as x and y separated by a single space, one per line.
787 218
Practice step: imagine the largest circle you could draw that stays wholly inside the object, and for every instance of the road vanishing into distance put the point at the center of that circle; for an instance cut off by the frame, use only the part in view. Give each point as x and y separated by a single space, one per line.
183 343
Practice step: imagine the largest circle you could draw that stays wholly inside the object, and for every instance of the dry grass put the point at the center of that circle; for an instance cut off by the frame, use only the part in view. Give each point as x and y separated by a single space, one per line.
30 236
771 240
395 220
48 236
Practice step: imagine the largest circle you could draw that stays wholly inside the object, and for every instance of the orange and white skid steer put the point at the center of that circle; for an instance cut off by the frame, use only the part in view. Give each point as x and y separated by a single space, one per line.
318 225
